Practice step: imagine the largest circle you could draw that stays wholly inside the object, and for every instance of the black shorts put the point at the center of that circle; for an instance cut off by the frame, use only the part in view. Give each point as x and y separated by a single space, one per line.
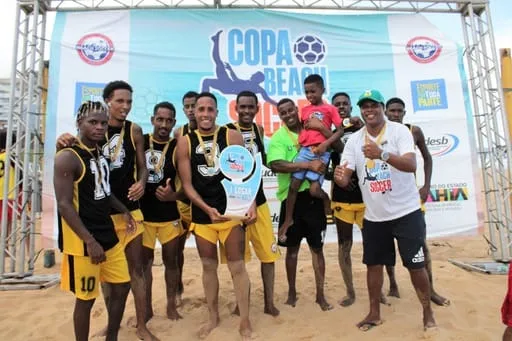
309 221
379 244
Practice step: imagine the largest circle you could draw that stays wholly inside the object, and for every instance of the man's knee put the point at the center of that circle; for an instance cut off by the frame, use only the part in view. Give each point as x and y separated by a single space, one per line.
292 253
148 258
170 262
119 289
209 264
415 269
236 267
84 305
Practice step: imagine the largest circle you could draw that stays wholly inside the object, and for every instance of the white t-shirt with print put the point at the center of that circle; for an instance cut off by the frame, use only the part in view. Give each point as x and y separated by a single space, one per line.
387 192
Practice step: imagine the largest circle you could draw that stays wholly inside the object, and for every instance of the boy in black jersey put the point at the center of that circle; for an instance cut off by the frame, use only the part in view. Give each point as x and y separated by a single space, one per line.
92 252
161 216
123 147
261 233
198 162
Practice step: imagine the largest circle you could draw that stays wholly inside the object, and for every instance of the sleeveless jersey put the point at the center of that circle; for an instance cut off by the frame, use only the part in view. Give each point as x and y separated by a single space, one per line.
206 180
339 194
254 144
185 129
91 199
123 167
159 170
4 163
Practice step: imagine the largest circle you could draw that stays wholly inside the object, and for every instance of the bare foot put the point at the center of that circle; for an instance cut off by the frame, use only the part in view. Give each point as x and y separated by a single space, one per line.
207 328
132 321
172 314
347 301
324 305
365 325
236 311
101 333
245 330
272 310
292 299
144 334
428 319
439 300
281 235
393 291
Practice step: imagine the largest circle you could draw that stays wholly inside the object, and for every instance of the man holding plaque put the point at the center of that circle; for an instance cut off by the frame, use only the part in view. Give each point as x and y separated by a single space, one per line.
260 234
309 216
382 154
198 157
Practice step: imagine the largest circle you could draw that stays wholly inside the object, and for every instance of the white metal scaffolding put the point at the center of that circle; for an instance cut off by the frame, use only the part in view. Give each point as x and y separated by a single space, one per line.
25 107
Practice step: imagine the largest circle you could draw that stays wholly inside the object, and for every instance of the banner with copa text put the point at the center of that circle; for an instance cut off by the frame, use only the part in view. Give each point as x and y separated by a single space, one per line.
165 53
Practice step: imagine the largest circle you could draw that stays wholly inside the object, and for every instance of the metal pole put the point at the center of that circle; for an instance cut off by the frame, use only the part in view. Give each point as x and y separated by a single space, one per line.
29 121
12 100
20 136
506 169
36 194
483 75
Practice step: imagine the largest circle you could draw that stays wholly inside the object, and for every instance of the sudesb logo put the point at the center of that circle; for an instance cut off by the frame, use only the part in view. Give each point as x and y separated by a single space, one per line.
442 145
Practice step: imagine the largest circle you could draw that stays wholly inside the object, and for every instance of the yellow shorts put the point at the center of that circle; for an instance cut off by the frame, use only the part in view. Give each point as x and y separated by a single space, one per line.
120 226
83 278
185 212
164 231
349 213
214 232
261 236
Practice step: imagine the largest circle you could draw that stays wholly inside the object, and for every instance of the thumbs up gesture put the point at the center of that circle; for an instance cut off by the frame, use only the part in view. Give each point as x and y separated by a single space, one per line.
165 193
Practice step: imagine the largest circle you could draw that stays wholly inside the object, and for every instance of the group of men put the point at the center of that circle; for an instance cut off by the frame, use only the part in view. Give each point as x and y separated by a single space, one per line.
118 191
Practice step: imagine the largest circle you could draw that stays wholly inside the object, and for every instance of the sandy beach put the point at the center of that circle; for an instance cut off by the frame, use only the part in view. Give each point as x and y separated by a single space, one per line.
474 314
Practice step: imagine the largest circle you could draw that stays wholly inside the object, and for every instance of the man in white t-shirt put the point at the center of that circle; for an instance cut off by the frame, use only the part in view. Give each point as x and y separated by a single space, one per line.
383 156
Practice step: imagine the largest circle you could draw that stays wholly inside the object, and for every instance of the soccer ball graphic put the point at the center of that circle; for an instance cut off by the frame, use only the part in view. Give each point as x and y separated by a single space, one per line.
309 49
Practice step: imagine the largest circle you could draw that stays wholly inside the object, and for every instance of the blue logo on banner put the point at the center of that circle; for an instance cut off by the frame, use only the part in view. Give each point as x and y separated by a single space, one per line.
429 94
271 63
442 145
88 92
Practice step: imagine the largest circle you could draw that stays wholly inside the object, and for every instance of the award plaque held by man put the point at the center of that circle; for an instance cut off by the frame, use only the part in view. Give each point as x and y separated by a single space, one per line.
243 176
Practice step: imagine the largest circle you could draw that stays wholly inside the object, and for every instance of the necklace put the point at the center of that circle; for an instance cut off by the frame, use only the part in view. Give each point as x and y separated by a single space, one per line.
209 156
118 145
369 162
251 144
158 166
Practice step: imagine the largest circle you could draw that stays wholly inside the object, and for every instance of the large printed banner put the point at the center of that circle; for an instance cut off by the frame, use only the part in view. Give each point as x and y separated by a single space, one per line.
165 53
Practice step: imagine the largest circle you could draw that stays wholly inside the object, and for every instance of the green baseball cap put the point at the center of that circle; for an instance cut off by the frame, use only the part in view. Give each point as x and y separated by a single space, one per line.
372 95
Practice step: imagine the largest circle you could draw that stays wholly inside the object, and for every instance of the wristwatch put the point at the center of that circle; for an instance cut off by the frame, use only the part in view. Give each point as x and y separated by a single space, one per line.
384 156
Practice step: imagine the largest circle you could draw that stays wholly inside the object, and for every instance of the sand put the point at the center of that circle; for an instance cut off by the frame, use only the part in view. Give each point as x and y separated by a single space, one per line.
474 314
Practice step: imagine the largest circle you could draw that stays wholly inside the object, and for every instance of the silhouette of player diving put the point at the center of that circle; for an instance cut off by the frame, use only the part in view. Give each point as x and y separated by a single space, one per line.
227 82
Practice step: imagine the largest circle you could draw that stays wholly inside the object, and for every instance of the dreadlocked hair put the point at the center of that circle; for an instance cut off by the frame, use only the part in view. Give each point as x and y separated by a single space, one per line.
90 107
